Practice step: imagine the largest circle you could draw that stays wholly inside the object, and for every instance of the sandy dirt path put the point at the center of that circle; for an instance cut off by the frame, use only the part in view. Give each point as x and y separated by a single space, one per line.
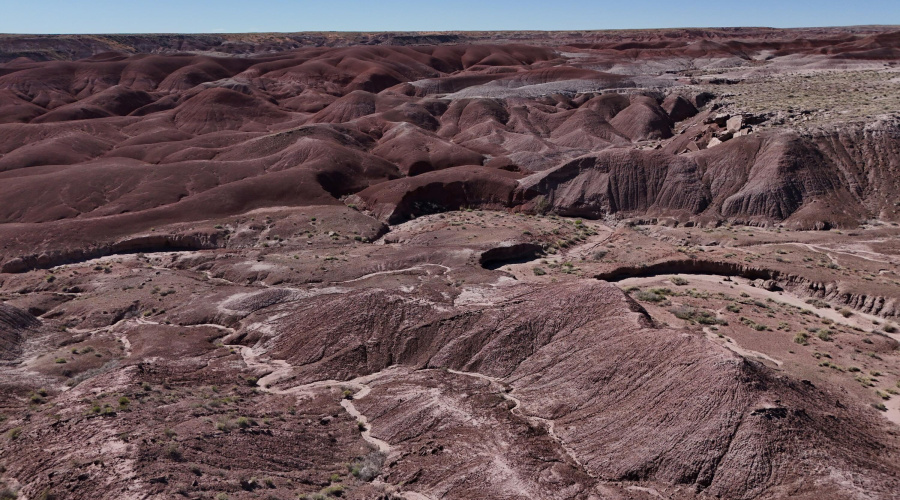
279 370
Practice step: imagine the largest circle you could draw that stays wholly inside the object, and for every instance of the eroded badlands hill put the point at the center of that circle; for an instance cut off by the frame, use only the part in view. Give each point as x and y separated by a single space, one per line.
441 265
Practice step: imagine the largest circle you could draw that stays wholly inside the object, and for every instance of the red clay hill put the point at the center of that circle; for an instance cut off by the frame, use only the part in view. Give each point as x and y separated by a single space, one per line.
381 265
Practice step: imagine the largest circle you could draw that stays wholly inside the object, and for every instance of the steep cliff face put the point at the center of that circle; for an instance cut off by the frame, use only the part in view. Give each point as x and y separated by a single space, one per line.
146 243
440 191
14 324
867 156
813 180
621 180
779 177
870 303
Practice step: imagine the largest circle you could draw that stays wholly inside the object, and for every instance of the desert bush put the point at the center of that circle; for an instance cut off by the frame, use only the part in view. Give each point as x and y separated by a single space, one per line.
335 490
368 467
47 494
818 303
649 296
173 452
701 316
683 312
678 281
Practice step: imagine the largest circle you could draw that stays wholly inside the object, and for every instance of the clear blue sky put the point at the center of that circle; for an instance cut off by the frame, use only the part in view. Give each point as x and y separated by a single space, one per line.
205 16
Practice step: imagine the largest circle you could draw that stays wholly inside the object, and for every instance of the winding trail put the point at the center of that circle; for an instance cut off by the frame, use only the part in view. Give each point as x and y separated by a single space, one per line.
860 254
280 370
737 349
419 267
518 410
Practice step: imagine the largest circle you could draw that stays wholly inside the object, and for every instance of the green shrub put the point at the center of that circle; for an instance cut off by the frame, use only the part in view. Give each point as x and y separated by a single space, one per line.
173 452
678 281
648 296
682 312
701 316
334 490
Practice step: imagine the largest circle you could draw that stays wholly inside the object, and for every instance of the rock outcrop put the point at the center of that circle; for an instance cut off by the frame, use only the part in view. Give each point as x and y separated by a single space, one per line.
15 324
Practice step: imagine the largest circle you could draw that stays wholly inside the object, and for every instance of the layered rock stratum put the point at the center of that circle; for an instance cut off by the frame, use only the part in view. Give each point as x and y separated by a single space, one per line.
573 265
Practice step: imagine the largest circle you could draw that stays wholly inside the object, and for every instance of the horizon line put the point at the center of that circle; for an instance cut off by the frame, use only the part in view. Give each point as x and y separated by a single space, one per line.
425 31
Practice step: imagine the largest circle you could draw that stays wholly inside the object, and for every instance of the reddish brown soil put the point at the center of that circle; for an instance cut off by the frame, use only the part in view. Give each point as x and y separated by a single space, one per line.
440 265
